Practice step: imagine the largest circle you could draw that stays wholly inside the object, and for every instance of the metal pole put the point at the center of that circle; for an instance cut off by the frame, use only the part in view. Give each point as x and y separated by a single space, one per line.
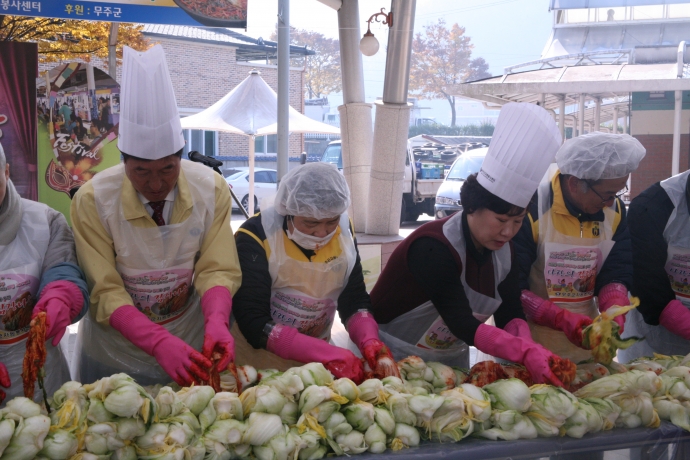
283 87
581 116
615 119
250 198
675 161
597 115
561 116
675 158
351 67
399 56
112 50
625 123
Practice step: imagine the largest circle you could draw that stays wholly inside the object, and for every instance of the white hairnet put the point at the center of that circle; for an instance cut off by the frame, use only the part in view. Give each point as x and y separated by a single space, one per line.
598 156
315 190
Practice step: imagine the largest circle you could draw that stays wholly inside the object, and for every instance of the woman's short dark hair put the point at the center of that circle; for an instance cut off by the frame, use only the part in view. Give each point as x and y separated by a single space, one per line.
475 197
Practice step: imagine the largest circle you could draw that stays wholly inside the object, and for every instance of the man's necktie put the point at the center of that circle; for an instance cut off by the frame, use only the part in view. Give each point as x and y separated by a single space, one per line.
157 216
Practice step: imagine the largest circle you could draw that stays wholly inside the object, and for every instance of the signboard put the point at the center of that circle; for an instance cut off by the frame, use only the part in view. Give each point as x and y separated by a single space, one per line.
78 121
216 13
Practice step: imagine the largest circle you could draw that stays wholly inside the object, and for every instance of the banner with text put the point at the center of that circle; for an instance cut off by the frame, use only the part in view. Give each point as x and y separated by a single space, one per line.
214 13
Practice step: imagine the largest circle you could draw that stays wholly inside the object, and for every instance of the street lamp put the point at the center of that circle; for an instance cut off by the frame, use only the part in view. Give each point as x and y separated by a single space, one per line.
369 45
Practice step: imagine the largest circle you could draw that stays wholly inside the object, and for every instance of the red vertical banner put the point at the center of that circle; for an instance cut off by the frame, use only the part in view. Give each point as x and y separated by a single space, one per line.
18 71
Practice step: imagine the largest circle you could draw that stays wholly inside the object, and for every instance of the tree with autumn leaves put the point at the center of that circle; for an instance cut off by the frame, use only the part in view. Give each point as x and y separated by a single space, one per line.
442 57
67 40
322 70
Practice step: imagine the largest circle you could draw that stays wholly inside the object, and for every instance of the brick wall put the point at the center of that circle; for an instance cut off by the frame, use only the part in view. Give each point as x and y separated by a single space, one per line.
656 164
203 73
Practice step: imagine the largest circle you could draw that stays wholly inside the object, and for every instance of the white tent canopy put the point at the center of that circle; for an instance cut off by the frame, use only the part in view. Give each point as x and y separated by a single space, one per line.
251 109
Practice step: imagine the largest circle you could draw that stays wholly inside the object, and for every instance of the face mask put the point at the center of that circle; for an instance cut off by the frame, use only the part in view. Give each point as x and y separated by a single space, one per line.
311 242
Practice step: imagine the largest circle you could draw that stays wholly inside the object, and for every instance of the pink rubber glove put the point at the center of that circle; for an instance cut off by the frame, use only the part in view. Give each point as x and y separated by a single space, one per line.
4 376
183 364
4 381
288 343
614 294
62 301
519 328
364 332
501 344
216 305
676 318
545 313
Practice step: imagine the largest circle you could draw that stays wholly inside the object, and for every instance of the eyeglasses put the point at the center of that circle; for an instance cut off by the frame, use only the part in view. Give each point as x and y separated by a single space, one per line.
611 197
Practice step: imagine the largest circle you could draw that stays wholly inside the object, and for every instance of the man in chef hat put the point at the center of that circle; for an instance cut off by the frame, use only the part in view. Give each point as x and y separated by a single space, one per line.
154 239
449 276
576 232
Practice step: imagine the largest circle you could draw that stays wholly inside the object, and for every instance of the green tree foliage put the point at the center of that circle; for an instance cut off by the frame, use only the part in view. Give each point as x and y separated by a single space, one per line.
483 129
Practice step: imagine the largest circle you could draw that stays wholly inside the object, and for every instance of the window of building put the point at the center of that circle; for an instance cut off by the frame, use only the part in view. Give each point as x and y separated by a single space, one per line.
643 13
679 11
266 144
205 142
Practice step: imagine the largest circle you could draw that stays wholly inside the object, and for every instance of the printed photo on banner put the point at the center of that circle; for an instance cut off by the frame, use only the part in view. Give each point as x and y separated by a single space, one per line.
77 130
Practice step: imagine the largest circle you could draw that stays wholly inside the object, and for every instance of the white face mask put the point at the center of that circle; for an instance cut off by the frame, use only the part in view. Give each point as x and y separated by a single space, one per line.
311 242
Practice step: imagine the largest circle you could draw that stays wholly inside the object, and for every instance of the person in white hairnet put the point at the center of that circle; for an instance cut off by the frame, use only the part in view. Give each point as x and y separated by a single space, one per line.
659 222
153 236
574 247
300 265
38 273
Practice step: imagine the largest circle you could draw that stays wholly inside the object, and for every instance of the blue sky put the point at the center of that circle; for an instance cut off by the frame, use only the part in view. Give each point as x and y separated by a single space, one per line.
504 32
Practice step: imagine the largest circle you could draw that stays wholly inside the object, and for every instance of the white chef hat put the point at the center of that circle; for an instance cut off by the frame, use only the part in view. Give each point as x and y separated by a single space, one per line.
597 156
523 145
149 122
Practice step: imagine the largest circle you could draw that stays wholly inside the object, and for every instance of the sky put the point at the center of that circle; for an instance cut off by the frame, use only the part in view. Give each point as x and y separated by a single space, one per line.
504 33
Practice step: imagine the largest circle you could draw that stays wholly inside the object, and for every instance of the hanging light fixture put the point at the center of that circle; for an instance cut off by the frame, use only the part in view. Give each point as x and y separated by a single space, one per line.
369 45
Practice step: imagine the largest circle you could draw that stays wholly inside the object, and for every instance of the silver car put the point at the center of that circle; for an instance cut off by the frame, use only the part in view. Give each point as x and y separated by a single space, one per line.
448 195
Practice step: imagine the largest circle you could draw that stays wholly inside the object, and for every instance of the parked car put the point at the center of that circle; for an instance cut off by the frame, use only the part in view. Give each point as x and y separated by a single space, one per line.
265 181
418 194
448 195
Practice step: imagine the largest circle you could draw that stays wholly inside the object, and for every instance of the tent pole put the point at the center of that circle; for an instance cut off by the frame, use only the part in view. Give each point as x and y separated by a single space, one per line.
250 200
283 87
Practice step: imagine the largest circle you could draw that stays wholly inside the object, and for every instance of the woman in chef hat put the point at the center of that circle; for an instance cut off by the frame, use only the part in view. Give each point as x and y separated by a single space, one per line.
449 276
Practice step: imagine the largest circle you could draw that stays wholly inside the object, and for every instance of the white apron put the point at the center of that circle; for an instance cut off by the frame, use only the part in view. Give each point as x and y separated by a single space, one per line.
20 274
565 273
658 339
436 342
304 295
157 266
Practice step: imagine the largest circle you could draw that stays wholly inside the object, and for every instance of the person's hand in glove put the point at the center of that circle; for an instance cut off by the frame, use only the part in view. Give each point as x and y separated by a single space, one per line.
614 294
181 362
288 343
61 301
533 356
216 305
547 314
676 318
4 381
364 332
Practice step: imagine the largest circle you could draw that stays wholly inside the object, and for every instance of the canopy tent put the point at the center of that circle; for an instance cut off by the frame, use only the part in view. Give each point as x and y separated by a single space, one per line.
251 109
